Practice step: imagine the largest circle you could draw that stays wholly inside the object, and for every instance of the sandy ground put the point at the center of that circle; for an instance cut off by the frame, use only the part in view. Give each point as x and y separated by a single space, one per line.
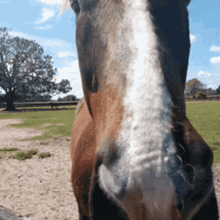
40 189
37 189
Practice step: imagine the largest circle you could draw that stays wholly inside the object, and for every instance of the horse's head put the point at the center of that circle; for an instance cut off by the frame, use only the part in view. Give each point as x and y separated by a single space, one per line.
133 58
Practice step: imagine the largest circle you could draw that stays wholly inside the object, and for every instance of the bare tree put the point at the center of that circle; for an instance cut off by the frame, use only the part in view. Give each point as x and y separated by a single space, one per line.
25 72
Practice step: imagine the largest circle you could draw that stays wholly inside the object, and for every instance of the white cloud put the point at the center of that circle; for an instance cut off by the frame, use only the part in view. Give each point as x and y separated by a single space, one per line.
51 2
215 49
72 73
5 2
212 84
210 81
193 38
44 28
5 24
46 14
69 71
215 60
41 40
53 45
22 35
65 53
206 74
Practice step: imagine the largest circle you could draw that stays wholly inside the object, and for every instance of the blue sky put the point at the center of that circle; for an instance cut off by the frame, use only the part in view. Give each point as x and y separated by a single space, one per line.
40 20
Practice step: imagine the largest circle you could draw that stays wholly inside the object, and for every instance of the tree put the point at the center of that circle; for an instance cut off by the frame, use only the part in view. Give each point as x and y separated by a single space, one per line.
1 97
201 95
218 90
25 72
39 98
193 86
68 98
211 91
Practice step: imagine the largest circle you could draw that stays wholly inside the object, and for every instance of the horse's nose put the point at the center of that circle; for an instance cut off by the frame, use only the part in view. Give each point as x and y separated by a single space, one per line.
114 183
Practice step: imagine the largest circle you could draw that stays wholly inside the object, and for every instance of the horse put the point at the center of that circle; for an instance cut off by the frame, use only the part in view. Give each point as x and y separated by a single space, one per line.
135 154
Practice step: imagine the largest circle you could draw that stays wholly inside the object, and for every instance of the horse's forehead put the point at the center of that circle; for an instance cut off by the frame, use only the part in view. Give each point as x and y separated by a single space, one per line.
68 3
154 1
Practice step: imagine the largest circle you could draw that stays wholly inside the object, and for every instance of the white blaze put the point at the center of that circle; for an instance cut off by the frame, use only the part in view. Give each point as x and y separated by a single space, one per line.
147 123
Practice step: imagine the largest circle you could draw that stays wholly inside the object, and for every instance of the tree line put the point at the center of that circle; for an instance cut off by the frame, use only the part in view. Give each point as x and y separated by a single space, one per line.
196 89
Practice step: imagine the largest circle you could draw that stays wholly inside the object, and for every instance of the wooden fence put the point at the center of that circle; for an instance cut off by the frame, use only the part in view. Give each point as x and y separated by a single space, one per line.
208 98
56 104
52 104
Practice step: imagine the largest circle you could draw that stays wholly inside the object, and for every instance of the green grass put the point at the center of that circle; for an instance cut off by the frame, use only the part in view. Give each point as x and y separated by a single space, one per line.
19 155
22 156
25 155
59 107
205 117
37 119
6 150
43 155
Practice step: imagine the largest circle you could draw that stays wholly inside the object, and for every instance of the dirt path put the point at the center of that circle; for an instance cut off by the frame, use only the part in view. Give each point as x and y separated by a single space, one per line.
40 189
36 188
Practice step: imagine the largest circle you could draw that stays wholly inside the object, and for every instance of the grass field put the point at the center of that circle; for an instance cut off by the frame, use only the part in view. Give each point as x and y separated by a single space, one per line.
205 117
61 122
47 108
59 107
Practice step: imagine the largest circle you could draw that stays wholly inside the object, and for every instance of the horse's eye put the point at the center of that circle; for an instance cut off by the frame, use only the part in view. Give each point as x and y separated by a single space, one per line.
75 6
